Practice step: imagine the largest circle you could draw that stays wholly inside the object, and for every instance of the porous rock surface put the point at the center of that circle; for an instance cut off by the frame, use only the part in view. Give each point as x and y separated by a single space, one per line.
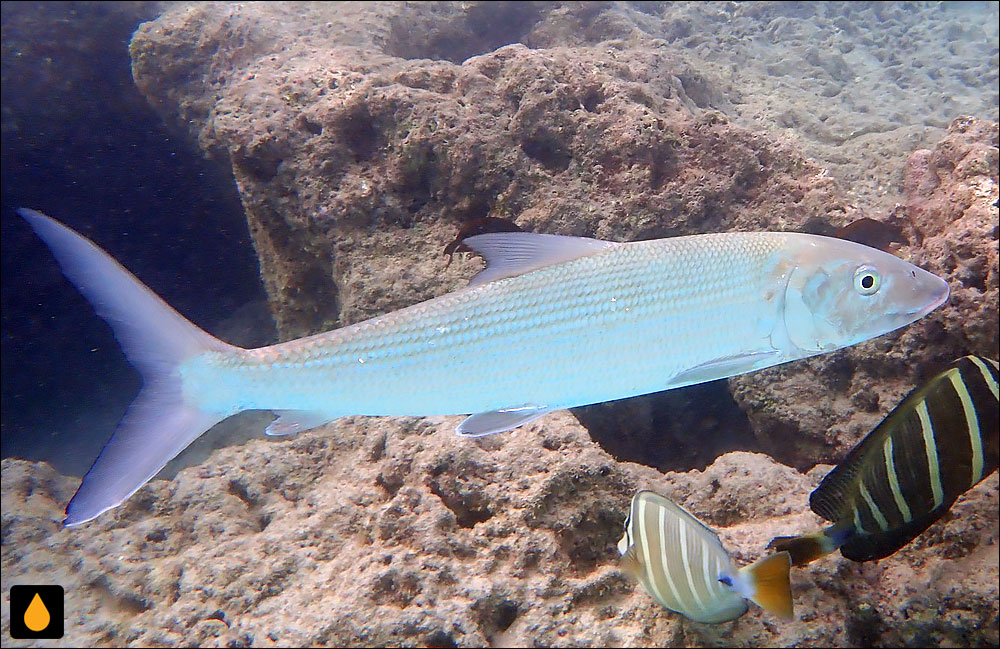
856 85
358 162
362 136
802 412
357 168
396 532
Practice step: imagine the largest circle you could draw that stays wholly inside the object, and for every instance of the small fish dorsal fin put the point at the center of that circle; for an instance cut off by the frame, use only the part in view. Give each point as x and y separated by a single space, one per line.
770 586
513 253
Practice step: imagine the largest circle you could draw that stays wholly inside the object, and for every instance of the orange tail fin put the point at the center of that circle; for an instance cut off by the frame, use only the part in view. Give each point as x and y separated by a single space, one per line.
770 586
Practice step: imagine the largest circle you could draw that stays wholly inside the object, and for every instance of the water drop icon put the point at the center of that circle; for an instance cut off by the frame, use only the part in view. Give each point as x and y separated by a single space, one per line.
36 617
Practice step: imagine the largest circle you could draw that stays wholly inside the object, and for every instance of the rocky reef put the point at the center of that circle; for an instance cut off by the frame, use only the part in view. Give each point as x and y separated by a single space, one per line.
362 137
396 532
947 215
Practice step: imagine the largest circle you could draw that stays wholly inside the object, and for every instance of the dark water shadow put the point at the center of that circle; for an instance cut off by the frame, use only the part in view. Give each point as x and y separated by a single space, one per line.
674 430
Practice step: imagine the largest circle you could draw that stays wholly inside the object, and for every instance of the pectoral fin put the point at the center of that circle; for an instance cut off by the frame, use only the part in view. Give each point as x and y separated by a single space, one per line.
725 366
498 421
296 421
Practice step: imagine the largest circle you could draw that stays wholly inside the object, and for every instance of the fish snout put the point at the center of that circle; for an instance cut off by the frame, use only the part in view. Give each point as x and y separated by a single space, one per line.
926 292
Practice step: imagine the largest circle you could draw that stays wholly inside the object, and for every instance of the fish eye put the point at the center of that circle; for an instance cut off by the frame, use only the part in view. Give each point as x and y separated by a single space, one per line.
866 280
726 579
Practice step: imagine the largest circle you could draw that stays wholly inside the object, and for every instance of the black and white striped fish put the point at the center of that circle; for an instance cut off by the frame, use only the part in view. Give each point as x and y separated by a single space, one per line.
682 565
938 443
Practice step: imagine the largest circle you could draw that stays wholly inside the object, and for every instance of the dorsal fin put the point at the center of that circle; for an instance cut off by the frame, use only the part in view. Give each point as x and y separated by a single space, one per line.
513 253
484 225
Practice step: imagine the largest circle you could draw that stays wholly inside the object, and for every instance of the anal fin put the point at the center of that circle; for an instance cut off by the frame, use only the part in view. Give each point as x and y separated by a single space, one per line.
498 421
872 547
296 421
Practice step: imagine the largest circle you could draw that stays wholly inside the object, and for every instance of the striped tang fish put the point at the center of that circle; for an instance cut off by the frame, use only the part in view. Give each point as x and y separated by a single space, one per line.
552 322
938 443
682 565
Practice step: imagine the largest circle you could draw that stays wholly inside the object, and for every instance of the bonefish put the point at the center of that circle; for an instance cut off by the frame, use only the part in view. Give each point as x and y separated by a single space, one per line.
552 322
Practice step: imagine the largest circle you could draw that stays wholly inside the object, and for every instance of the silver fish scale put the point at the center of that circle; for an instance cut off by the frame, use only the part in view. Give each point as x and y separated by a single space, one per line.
620 322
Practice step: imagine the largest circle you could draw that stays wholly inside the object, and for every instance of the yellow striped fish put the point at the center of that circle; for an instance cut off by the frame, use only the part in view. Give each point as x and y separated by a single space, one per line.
938 443
682 565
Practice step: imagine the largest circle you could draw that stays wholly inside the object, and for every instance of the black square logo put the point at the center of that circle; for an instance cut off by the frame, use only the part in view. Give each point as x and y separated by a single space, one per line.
36 612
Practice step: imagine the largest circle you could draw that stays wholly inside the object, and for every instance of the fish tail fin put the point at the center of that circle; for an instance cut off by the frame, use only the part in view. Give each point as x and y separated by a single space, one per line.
808 547
156 339
768 584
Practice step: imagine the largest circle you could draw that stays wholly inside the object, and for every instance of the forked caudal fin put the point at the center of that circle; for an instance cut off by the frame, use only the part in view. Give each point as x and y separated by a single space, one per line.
156 339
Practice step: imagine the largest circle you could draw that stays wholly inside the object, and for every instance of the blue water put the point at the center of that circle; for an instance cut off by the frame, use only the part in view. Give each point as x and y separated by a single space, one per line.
81 144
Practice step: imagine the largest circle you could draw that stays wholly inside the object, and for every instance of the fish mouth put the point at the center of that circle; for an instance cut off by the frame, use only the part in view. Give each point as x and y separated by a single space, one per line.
938 291
924 293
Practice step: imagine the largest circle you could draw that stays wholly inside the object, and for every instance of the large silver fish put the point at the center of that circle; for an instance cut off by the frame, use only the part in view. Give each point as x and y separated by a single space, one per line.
552 322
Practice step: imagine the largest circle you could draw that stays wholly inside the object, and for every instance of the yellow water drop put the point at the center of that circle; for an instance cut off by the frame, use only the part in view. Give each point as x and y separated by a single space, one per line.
37 616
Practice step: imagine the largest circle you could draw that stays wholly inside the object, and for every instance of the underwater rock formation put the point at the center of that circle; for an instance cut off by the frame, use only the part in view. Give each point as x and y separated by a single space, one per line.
362 139
804 412
356 169
391 155
392 532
